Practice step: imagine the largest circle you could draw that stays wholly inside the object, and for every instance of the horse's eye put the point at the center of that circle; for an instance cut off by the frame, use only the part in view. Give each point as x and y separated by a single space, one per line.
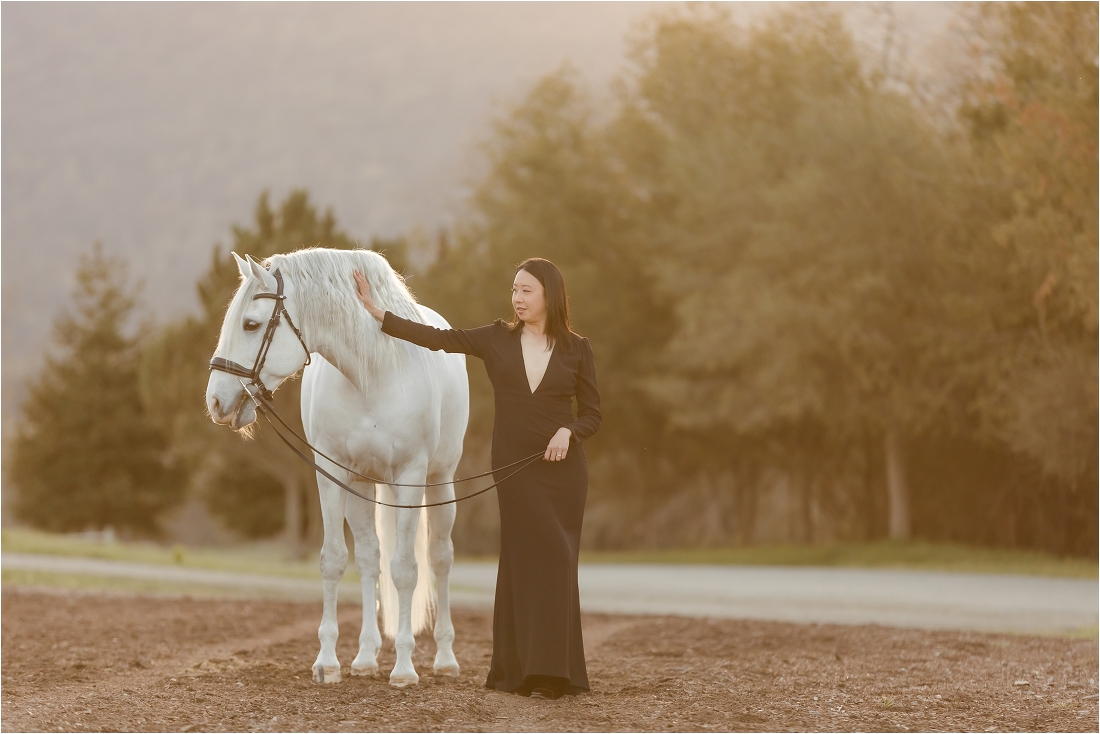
250 325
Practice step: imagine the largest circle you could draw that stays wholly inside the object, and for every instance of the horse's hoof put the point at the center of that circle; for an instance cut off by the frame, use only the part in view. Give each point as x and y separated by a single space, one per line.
400 680
445 662
326 674
367 670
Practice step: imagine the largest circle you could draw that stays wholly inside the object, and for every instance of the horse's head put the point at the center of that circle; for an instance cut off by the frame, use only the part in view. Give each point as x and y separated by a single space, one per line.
251 348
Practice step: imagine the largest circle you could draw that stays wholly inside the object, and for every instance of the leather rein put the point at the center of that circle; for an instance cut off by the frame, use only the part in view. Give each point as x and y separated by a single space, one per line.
262 397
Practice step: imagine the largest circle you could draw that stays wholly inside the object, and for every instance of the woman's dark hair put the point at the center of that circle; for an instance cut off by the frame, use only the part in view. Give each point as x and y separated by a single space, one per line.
557 302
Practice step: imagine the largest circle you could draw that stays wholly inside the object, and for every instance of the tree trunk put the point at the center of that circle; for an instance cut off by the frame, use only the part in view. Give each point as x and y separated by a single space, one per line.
293 515
896 488
748 495
871 487
807 508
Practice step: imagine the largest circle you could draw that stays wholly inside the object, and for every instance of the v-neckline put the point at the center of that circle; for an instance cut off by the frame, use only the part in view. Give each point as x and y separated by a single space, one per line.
523 362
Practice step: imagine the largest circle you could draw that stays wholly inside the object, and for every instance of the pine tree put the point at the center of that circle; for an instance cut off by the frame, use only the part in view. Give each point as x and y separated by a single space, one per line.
85 454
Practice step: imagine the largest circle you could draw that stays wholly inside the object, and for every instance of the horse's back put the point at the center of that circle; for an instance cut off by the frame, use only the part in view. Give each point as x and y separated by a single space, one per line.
433 318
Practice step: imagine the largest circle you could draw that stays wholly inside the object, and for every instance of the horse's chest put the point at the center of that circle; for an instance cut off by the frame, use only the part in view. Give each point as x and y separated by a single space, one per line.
388 422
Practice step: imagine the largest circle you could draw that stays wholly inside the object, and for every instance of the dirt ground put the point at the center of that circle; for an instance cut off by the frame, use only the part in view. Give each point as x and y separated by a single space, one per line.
100 662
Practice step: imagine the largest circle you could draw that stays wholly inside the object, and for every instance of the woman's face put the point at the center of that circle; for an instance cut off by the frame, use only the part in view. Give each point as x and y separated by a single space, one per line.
529 298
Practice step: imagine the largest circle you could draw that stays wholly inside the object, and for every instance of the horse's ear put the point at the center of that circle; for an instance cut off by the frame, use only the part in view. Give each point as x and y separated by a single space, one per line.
242 265
266 278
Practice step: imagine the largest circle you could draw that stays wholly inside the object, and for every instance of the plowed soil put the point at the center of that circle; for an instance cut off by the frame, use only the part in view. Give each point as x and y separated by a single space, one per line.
99 662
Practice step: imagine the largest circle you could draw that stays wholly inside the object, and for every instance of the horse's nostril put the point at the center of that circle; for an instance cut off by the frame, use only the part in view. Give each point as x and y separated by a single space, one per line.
217 408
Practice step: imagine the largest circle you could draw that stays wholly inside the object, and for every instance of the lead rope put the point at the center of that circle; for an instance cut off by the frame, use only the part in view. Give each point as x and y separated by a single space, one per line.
271 409
267 411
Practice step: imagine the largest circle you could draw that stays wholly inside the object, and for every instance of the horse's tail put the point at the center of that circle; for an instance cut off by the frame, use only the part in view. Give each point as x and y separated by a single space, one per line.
423 602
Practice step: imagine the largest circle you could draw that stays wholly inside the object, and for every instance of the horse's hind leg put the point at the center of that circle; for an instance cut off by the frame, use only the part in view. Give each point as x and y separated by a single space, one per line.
441 551
334 559
360 514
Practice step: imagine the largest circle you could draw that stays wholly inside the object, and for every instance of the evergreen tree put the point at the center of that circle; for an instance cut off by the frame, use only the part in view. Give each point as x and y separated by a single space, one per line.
85 453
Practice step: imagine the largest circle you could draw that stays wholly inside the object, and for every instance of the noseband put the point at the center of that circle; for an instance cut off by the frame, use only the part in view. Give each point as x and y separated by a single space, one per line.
224 365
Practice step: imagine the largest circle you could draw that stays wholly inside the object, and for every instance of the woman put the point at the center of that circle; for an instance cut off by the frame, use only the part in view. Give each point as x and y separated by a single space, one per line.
537 365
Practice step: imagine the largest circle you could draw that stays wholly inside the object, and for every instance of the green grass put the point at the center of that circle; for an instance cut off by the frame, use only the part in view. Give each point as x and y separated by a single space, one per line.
267 558
883 554
270 558
87 582
1091 632
349 592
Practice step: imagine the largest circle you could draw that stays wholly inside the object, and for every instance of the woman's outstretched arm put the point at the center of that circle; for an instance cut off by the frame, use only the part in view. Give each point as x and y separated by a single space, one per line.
465 341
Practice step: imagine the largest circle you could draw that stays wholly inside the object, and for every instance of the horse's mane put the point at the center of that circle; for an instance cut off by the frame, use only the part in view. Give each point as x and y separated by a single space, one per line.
327 305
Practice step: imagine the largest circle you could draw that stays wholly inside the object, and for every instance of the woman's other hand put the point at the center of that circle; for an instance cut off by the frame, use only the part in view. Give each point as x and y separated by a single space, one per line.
363 293
558 446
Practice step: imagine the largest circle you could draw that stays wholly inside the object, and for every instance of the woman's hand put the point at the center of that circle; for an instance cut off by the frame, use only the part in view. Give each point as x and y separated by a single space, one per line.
364 296
558 446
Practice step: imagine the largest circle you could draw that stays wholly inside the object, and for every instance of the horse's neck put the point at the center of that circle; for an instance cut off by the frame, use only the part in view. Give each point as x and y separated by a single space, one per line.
372 366
344 358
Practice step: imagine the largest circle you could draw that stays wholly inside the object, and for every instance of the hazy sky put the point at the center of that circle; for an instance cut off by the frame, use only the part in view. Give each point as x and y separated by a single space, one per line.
154 126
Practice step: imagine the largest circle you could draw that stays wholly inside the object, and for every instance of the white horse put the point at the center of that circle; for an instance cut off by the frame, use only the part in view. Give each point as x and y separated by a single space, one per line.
378 405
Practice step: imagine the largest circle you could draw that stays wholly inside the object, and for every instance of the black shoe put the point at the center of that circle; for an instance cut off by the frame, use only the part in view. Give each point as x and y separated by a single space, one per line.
545 692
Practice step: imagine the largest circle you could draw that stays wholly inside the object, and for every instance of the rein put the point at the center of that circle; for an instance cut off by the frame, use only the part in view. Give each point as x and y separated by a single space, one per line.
262 397
267 410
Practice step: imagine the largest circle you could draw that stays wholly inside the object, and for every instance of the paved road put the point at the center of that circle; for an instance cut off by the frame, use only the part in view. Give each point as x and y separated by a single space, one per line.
930 600
924 599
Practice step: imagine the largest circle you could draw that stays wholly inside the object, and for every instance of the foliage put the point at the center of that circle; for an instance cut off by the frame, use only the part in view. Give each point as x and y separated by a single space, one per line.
1033 129
86 454
790 223
248 499
548 192
783 258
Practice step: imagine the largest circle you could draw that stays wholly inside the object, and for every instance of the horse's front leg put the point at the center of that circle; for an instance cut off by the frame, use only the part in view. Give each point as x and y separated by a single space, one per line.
442 553
403 570
334 559
360 515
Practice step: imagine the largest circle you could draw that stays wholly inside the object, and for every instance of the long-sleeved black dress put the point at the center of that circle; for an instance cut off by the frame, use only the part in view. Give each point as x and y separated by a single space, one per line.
536 616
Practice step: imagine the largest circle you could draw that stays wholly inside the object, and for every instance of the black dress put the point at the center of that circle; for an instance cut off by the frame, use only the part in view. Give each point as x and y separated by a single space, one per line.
537 615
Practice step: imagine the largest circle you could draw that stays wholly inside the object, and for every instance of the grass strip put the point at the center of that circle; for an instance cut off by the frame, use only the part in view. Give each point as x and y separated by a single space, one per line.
911 555
79 582
266 558
270 558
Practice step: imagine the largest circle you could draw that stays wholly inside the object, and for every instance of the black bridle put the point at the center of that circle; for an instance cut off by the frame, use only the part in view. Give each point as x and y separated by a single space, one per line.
262 397
277 313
